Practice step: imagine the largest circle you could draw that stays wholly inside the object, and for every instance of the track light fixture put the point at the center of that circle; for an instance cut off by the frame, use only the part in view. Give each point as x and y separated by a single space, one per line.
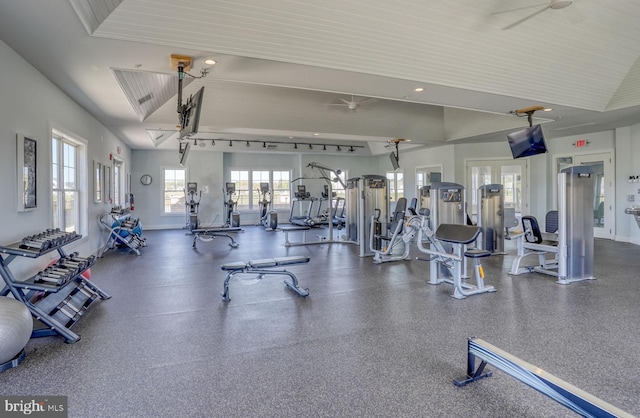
273 144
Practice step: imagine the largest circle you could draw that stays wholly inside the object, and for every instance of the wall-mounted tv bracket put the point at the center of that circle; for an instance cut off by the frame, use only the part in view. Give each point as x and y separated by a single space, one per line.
529 111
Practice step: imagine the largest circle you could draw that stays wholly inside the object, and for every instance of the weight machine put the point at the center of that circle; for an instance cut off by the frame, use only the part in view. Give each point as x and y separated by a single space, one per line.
329 175
448 253
365 195
233 216
572 247
387 242
268 217
491 218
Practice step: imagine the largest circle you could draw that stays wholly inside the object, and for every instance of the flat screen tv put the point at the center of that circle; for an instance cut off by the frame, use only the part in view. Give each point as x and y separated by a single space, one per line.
394 161
527 142
190 117
184 152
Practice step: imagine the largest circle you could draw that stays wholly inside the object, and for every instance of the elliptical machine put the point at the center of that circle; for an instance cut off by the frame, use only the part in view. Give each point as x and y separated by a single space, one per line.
233 216
268 216
192 205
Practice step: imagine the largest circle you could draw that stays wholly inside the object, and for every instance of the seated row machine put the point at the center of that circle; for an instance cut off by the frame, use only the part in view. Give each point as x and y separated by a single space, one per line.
447 248
389 244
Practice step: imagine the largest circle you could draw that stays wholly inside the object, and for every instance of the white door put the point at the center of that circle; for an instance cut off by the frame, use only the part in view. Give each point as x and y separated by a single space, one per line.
604 201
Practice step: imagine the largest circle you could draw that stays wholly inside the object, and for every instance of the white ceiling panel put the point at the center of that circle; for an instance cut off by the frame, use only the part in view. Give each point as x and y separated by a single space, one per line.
284 64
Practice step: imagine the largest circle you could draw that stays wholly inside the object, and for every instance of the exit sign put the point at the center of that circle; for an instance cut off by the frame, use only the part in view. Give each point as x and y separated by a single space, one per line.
581 143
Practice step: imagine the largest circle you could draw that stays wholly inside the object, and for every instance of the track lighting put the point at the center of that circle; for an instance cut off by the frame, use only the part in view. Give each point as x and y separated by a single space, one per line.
248 145
338 148
264 145
213 143
351 149
295 146
230 143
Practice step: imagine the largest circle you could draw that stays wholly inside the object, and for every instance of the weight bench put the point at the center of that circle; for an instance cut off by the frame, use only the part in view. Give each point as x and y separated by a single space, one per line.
287 229
208 235
532 242
262 268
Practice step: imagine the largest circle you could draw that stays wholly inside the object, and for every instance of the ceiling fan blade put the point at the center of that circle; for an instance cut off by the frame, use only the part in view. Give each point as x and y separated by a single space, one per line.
524 19
519 8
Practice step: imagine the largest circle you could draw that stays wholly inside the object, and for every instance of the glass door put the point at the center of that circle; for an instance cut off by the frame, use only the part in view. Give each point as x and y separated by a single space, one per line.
603 203
511 174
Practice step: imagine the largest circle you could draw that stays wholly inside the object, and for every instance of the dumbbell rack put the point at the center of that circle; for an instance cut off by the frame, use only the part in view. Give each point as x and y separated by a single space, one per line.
121 231
56 296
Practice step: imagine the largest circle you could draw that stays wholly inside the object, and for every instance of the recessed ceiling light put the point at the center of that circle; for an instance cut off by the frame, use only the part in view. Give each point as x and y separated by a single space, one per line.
418 89
316 134
210 61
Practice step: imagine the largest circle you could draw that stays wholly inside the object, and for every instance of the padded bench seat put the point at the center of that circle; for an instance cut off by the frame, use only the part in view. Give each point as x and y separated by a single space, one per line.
262 267
265 263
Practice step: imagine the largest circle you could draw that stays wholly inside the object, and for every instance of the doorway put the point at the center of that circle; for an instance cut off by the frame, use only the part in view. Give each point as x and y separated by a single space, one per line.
511 174
604 192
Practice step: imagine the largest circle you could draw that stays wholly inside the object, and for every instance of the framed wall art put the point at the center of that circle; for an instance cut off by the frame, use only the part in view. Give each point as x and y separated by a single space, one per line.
27 172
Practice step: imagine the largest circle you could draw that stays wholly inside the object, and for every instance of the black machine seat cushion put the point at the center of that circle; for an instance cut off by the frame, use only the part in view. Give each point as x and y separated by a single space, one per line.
457 234
476 253
532 232
398 217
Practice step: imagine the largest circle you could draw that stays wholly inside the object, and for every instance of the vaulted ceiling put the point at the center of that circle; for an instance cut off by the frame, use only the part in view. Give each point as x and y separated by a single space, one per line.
287 68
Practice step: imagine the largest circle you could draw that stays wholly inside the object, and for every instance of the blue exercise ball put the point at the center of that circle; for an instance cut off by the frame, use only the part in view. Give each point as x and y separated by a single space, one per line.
16 326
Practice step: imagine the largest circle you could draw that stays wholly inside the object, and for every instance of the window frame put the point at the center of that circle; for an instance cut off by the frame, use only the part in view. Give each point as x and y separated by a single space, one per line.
180 212
58 218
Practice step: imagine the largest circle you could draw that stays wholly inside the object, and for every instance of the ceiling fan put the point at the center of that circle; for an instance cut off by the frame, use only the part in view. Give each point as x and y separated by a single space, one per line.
353 104
550 5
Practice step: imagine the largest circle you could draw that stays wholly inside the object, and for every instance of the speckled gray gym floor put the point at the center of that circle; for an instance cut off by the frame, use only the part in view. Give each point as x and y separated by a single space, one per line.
369 340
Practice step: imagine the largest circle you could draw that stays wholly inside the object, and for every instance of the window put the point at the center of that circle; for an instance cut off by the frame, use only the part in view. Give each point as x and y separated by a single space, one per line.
66 160
241 179
248 188
174 181
395 185
117 183
281 186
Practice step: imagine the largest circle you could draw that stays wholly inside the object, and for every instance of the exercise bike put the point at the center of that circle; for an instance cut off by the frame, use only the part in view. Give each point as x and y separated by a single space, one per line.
268 216
192 205
233 216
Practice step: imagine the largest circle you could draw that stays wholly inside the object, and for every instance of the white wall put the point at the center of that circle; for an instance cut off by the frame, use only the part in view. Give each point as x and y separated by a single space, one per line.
209 168
32 106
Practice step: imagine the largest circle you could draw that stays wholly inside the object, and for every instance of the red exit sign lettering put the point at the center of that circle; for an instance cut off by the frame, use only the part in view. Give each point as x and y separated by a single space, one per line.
581 143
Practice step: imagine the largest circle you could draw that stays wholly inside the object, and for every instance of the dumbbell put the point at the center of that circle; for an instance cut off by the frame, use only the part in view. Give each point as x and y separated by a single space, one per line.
36 245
